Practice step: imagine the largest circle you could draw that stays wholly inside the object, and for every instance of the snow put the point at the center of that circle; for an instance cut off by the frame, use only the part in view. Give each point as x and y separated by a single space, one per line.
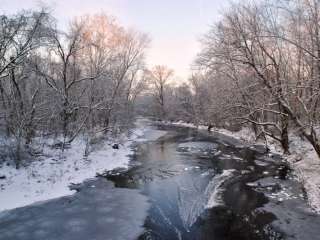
303 159
244 134
145 132
117 213
215 188
51 177
151 135
307 167
196 147
277 189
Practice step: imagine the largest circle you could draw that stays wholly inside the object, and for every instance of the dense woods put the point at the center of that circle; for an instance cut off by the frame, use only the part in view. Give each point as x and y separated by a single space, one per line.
61 84
258 67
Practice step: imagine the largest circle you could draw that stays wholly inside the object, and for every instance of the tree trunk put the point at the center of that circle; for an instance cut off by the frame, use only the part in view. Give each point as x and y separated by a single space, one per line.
65 119
285 141
284 133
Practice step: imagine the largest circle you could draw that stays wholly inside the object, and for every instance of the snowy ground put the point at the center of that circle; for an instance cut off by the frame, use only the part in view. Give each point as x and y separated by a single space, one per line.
244 134
307 166
303 159
51 177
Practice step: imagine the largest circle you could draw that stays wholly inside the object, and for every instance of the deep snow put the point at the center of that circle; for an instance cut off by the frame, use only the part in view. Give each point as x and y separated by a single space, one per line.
51 177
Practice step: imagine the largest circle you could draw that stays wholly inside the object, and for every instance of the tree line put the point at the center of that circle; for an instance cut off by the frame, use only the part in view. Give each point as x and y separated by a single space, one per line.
60 84
259 67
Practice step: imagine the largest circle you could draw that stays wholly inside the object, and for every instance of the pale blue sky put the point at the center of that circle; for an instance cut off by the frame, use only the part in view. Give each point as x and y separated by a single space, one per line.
174 26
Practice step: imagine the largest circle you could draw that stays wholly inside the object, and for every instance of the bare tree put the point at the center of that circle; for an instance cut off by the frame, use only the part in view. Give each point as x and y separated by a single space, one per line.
275 46
20 36
64 84
159 78
63 76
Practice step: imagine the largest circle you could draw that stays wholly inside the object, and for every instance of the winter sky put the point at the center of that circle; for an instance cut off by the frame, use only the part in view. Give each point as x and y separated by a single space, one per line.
174 26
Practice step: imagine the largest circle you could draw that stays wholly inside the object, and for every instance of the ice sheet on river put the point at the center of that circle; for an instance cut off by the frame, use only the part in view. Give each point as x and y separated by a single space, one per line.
151 135
195 147
195 195
146 132
98 212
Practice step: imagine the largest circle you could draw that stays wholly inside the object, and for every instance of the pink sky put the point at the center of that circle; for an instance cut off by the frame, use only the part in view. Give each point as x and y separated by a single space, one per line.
174 26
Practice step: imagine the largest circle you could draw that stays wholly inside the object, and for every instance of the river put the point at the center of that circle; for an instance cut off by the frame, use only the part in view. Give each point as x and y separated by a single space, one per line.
188 184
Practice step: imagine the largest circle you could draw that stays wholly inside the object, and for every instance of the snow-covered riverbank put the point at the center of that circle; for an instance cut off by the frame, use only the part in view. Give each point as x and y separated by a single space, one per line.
306 164
303 159
51 176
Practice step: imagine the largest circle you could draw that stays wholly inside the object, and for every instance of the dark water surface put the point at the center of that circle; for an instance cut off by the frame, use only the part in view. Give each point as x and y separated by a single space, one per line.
186 185
210 186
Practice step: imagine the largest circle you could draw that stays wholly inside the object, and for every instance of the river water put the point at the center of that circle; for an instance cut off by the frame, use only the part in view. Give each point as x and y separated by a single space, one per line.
188 184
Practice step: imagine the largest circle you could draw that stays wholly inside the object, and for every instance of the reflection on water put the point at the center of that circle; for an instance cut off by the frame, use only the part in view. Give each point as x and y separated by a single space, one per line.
196 186
186 185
